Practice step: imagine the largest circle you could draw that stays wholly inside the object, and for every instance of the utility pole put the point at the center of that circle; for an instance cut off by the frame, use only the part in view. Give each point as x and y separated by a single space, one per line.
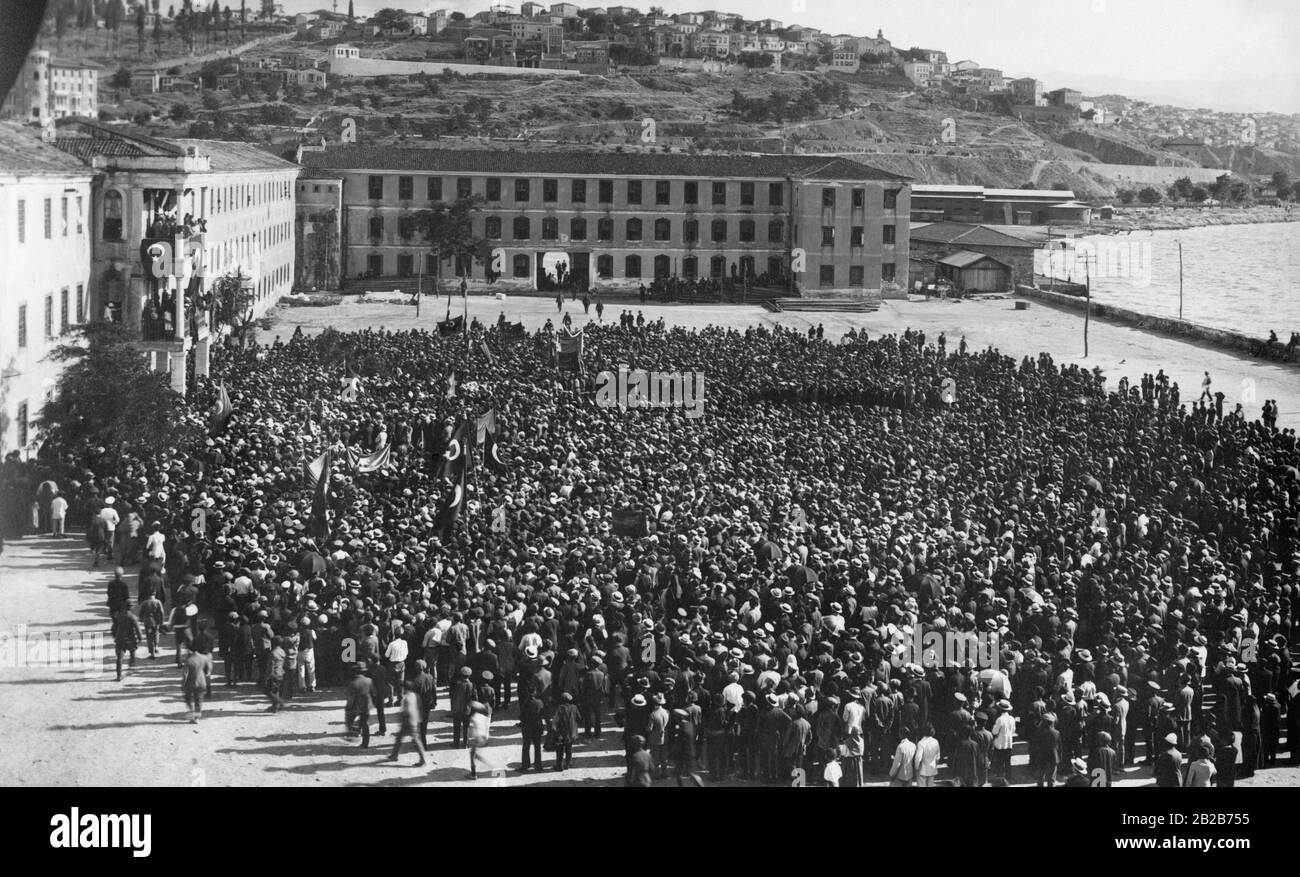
1087 311
1180 280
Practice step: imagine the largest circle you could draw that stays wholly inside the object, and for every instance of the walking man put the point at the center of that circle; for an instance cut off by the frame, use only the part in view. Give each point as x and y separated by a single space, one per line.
411 711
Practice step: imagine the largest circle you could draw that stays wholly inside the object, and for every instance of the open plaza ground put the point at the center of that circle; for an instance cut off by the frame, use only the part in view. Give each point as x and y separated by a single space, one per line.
78 726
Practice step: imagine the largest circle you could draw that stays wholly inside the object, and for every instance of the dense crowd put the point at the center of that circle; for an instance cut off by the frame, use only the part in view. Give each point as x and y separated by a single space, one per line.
1123 567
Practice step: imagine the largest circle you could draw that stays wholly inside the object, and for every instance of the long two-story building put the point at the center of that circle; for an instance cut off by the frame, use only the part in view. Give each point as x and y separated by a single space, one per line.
45 250
617 220
205 208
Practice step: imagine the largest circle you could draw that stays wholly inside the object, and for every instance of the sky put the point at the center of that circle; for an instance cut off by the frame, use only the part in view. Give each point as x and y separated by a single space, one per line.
1232 55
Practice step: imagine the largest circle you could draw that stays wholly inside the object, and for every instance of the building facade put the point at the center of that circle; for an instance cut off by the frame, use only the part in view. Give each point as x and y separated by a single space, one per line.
618 220
51 88
170 217
45 197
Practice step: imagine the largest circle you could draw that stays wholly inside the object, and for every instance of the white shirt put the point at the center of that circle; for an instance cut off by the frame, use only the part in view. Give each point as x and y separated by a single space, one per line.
1004 731
396 651
109 516
832 773
927 756
155 545
733 695
58 508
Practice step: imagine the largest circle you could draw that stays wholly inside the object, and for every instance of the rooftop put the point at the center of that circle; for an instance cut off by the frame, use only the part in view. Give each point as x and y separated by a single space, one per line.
595 163
965 258
22 153
967 235
84 139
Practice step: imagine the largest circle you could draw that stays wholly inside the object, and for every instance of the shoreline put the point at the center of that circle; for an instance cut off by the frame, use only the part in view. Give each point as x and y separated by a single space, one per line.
1222 339
1179 218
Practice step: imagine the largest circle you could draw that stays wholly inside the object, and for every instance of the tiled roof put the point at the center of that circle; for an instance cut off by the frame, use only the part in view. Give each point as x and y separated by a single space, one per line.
86 148
594 163
231 155
966 235
965 258
23 152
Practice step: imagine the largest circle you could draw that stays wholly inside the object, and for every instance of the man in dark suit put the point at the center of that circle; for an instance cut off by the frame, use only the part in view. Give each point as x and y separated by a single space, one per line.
1104 758
965 759
356 713
507 652
461 696
682 747
593 688
1045 751
1168 769
381 690
533 727
639 765
427 691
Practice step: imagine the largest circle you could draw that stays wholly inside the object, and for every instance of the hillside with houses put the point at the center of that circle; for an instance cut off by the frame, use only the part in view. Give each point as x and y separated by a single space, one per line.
622 78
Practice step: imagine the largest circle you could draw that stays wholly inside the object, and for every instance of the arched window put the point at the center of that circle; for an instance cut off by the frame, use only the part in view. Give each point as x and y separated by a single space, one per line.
632 266
663 229
112 230
634 229
521 265
604 267
550 228
663 266
522 230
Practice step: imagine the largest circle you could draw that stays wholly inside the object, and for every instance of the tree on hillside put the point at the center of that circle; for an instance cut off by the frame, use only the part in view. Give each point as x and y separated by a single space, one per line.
1150 195
179 112
352 15
1282 183
243 18
268 9
388 19
121 79
227 16
1199 194
1125 196
60 21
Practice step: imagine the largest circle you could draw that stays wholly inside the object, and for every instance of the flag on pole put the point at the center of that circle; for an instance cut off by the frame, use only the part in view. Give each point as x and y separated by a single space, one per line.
487 423
569 348
453 500
371 463
221 411
320 523
313 469
456 458
451 325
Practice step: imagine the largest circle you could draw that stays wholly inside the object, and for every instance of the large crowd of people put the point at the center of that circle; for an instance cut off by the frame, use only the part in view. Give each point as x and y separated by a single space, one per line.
1125 564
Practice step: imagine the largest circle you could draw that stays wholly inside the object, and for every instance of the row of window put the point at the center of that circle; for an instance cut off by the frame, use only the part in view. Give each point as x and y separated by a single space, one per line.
65 318
521 266
634 230
635 191
218 200
47 208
